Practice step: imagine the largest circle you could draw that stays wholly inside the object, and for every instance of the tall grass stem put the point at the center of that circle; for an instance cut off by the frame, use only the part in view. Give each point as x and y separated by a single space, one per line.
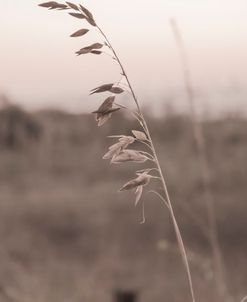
165 189
206 177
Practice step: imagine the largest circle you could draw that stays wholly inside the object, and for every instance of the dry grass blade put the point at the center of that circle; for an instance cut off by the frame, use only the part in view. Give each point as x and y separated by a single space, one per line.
83 51
80 33
53 5
106 105
138 193
102 119
78 15
141 180
116 90
72 5
139 135
96 46
123 143
102 88
48 4
86 11
105 111
91 21
143 214
107 87
115 150
129 156
96 52
89 49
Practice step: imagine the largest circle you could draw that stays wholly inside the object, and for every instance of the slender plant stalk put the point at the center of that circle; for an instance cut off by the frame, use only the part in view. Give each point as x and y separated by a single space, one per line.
204 167
118 152
167 199
122 68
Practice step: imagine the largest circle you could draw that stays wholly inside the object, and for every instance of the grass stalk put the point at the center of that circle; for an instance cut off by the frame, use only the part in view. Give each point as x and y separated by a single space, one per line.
218 263
119 150
166 199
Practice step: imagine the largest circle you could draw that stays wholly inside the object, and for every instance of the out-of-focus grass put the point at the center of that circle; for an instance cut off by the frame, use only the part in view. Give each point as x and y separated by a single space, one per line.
67 234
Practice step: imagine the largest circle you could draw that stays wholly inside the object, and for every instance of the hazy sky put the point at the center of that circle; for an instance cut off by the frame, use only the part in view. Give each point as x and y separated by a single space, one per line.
38 66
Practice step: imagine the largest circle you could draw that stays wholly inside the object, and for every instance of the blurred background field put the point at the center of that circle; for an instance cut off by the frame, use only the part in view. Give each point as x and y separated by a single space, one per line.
67 234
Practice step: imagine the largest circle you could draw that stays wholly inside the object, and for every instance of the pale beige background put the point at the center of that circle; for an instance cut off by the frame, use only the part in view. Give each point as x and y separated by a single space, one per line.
38 67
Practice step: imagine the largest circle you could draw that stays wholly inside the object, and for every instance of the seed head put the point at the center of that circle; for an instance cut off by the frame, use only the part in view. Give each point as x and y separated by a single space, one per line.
105 111
123 143
128 155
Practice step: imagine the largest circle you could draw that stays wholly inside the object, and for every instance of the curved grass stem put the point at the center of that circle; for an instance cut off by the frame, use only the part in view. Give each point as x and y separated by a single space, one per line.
174 220
122 68
156 160
161 197
139 116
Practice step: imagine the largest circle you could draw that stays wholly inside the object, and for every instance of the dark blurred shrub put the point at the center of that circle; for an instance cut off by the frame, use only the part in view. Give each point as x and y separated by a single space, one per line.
18 128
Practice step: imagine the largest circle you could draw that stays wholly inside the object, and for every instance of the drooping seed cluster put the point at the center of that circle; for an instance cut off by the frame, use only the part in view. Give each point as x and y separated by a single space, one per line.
119 152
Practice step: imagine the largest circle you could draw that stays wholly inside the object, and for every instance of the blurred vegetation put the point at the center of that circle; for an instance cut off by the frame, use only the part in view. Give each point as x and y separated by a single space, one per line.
68 235
17 128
